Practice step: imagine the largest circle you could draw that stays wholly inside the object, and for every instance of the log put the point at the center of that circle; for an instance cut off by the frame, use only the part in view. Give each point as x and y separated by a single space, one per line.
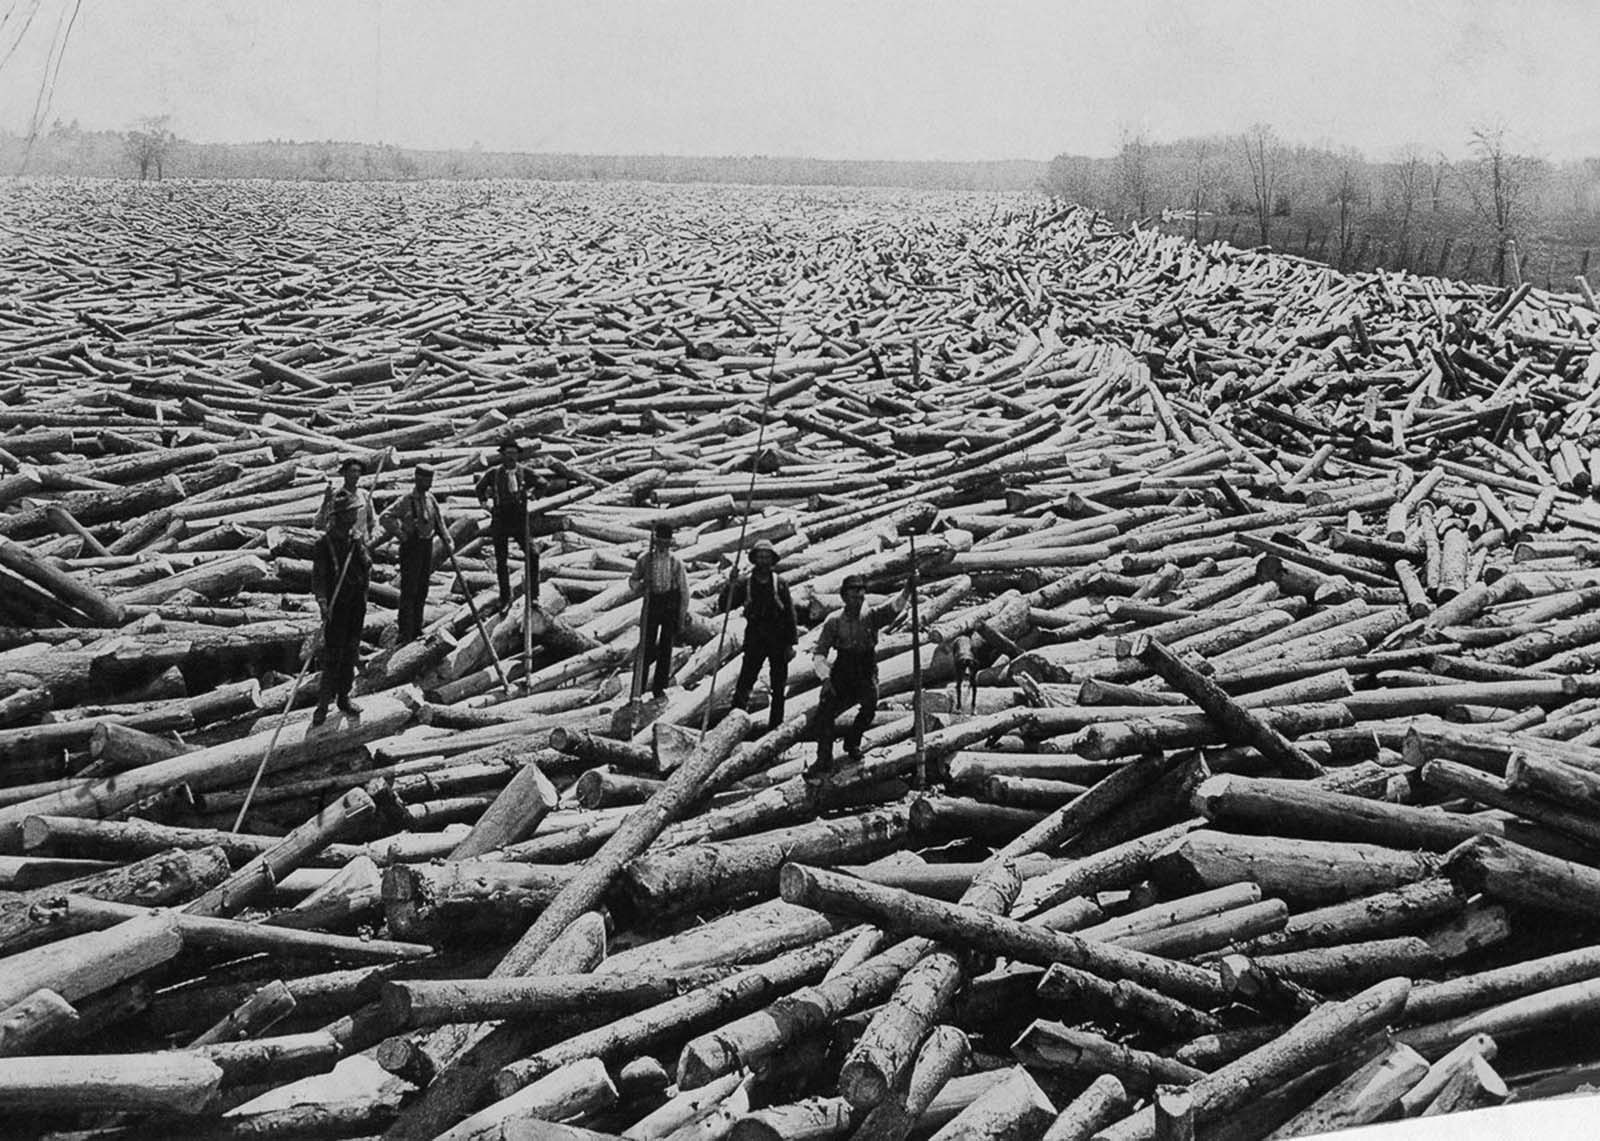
1294 808
1314 1039
216 766
642 827
169 1082
887 1048
426 1002
32 1021
76 912
576 1089
1098 1105
86 964
747 989
1428 1086
1125 1002
1240 724
1310 871
690 877
1054 1046
165 878
754 1039
1472 1086
944 1053
236 892
464 899
1011 1110
515 814
966 926
267 1006
94 604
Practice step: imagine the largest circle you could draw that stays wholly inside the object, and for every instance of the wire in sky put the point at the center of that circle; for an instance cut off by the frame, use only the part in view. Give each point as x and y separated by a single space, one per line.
47 81
77 5
33 11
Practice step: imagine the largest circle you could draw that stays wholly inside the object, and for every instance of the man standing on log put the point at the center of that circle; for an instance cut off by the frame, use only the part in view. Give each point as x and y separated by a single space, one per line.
503 490
415 520
769 628
340 571
665 582
350 472
852 677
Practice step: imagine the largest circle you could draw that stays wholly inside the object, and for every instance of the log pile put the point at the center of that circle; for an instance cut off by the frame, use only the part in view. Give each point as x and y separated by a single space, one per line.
1254 789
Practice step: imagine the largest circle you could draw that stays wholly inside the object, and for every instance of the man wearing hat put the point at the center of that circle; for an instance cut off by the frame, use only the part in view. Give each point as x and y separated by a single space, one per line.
503 490
340 571
660 574
769 628
350 472
415 519
852 677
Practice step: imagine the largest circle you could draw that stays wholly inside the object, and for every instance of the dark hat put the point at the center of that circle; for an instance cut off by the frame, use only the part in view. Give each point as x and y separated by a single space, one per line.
343 504
511 442
852 582
663 530
425 469
352 462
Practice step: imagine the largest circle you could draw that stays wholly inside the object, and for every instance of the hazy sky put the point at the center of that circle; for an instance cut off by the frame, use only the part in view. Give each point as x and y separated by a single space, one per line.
953 79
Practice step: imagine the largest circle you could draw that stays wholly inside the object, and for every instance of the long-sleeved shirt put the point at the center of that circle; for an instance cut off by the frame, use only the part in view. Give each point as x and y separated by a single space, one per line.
366 514
858 635
414 516
328 559
768 607
506 491
660 572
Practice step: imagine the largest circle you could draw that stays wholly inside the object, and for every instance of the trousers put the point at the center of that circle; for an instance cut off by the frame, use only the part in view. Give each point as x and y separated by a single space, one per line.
854 681
503 539
759 652
416 568
341 650
659 633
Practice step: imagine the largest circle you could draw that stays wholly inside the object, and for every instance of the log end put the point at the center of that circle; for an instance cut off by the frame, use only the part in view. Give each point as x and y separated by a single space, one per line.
797 884
704 1060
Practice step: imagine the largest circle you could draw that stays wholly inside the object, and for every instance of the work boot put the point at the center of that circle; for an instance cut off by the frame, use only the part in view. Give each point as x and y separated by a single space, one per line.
321 714
349 708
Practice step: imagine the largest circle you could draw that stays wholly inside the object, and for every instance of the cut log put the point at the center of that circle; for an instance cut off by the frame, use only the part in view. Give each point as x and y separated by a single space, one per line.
1312 1040
32 1021
1013 1109
170 1082
1101 1103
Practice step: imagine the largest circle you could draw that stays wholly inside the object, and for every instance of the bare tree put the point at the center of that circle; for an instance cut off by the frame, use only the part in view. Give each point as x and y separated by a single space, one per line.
1348 190
1439 174
1406 183
1204 177
1263 155
1500 185
1133 173
150 145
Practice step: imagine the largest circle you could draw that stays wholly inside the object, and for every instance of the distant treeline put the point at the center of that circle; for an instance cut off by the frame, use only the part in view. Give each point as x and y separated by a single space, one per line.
1416 209
151 150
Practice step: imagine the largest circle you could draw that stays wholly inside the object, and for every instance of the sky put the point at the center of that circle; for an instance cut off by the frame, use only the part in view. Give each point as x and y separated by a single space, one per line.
855 79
